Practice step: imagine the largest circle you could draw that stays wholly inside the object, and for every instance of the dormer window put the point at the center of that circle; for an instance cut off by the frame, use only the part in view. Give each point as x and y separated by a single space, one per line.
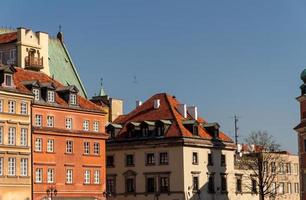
36 93
50 96
73 99
8 80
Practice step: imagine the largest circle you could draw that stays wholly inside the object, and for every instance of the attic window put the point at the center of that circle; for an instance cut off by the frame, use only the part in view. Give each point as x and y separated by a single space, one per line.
50 96
8 80
195 130
72 99
36 94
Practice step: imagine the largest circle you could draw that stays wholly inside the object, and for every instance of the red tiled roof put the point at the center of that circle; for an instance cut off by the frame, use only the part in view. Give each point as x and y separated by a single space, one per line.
8 37
168 110
27 75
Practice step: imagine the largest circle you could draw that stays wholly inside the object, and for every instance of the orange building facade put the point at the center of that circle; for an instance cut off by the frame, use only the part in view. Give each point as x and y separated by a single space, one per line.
68 140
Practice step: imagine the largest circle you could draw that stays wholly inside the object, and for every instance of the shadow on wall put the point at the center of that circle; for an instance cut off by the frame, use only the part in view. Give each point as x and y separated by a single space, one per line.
216 184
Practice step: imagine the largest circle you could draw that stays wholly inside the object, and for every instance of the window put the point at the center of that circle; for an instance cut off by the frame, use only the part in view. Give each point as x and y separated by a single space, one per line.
164 184
281 188
281 168
239 184
97 177
50 146
1 105
211 184
86 147
12 166
194 158
69 146
296 188
73 100
254 185
97 148
96 126
12 106
195 183
36 94
163 158
23 108
1 134
50 175
12 136
8 80
38 120
129 160
150 159
223 183
23 167
68 123
273 167
110 185
87 177
50 121
24 137
210 159
1 166
296 168
110 161
223 160
69 176
129 185
273 188
195 130
289 188
150 183
86 125
38 175
288 168
38 144
12 56
265 166
50 96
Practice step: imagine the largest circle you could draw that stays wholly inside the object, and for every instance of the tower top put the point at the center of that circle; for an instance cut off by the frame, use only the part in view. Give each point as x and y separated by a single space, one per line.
102 91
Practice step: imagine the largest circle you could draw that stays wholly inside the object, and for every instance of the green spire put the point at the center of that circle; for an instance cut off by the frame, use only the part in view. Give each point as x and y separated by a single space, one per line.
102 92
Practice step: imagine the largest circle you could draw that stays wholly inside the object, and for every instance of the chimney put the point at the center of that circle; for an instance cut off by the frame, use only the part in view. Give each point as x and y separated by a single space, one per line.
156 103
138 103
182 108
193 111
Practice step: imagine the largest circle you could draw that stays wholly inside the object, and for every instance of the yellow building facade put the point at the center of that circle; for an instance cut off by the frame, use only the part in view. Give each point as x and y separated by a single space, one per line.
15 139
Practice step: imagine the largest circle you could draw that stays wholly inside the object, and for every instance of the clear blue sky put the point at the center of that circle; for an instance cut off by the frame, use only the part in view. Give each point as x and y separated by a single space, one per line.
227 57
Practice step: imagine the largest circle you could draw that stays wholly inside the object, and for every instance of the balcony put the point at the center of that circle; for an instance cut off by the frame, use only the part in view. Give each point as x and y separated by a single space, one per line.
33 63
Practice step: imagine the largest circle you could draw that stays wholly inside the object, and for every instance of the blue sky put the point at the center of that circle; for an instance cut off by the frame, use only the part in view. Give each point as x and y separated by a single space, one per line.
227 57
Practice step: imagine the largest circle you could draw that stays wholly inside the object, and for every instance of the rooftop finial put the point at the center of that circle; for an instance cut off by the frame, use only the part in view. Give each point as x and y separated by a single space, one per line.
60 28
101 92
60 35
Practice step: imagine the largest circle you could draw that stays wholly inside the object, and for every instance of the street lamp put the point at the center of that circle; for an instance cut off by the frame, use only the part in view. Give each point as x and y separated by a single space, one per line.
51 192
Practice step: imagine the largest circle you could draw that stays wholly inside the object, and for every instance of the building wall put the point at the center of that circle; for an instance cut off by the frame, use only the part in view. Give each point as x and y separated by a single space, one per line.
15 187
175 167
60 161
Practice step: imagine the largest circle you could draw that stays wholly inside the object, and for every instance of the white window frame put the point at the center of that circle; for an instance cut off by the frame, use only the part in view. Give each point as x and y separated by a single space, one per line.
1 134
97 148
50 175
69 146
24 108
96 126
50 121
23 167
36 93
11 166
87 177
50 96
38 175
69 176
68 122
38 120
73 99
86 148
24 137
38 144
50 146
86 125
12 136
1 166
97 177
6 80
1 105
12 106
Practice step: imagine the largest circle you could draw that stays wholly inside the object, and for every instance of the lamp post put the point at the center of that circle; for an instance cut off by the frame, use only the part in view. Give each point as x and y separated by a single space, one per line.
51 192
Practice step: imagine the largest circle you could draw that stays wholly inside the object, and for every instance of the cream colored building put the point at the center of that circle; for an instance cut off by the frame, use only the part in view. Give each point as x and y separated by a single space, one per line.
15 139
163 150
